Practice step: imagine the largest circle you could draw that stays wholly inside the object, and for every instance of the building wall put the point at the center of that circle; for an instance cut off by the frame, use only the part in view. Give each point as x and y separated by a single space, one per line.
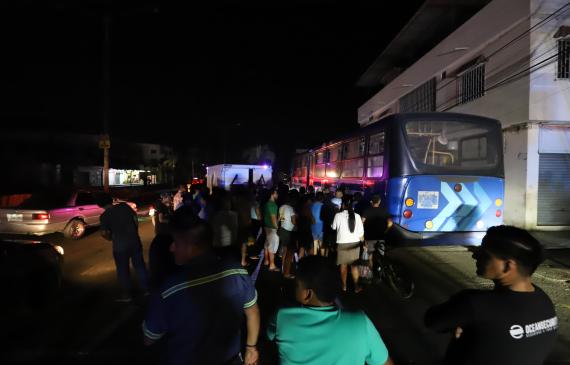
549 96
489 29
515 155
520 91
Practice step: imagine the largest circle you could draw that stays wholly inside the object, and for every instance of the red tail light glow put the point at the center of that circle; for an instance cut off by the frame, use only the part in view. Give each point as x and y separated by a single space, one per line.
498 213
41 216
407 214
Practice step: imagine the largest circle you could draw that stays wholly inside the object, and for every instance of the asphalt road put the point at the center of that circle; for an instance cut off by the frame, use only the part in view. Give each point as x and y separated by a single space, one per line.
85 326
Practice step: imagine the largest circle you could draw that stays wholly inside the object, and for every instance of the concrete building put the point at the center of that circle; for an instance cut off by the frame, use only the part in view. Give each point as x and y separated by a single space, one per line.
509 61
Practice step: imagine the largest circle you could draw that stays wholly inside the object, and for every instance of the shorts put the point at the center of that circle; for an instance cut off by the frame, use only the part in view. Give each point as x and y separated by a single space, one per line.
285 237
271 240
348 253
318 236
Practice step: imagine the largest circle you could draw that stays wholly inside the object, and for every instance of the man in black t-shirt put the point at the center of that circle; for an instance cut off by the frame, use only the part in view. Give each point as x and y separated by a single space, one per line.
119 224
376 221
513 324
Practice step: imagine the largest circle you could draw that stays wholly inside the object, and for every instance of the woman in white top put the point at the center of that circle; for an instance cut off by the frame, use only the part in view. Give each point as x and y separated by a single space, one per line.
349 234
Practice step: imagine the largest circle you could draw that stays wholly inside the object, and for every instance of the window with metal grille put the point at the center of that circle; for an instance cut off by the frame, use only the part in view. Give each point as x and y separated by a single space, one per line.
563 59
421 99
471 84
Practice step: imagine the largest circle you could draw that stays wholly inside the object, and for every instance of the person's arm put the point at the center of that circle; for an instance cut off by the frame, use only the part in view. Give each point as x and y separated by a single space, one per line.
274 220
456 312
334 224
360 229
377 351
293 219
253 321
104 229
154 326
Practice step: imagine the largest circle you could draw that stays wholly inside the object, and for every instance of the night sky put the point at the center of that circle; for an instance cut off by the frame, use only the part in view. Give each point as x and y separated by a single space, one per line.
285 73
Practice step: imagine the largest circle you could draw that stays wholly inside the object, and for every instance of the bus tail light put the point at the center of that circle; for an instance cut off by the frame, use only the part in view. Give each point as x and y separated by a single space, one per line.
458 188
41 216
429 224
410 202
498 214
407 214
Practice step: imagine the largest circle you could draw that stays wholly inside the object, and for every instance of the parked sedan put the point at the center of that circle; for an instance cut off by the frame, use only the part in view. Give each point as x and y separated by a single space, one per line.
30 271
68 212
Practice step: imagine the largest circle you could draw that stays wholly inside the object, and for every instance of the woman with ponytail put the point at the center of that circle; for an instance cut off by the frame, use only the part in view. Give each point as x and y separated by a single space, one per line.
349 234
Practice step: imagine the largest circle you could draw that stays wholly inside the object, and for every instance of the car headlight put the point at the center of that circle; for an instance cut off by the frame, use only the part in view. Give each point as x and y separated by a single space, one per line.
59 249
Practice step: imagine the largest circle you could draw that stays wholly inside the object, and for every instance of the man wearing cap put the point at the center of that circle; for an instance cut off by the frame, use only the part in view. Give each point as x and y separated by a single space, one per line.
515 323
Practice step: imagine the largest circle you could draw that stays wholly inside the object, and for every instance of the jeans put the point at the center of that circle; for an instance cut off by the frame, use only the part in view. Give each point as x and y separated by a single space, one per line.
135 256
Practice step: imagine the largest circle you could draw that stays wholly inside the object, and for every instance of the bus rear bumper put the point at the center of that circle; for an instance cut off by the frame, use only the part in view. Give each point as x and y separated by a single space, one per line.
403 237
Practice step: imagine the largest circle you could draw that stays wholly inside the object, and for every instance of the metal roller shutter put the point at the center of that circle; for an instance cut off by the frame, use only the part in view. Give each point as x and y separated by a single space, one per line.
554 189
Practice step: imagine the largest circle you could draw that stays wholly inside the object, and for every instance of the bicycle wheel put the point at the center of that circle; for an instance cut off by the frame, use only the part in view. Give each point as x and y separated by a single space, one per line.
399 280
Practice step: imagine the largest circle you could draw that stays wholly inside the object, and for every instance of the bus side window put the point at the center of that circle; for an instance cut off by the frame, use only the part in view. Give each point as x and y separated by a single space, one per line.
376 155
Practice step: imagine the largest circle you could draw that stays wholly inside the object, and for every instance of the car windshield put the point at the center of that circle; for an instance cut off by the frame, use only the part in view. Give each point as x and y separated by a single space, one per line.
452 145
43 200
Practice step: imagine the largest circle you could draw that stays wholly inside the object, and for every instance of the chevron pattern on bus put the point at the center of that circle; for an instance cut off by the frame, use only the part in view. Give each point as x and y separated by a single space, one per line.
469 208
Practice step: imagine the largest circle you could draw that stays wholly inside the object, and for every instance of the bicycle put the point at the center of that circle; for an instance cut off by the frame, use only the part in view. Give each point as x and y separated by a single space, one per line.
391 273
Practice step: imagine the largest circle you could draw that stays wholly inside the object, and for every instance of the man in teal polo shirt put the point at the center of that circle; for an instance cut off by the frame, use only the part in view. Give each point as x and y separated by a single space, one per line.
319 332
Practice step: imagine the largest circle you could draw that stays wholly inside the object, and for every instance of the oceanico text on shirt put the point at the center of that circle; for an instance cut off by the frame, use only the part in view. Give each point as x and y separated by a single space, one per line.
533 329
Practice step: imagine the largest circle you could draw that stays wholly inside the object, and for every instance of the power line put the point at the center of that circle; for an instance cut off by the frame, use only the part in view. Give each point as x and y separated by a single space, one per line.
542 22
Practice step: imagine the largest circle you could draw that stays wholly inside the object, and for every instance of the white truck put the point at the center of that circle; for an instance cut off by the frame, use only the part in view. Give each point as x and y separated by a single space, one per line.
224 176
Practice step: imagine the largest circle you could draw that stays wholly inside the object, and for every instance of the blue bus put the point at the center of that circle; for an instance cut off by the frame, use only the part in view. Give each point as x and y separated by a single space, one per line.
441 175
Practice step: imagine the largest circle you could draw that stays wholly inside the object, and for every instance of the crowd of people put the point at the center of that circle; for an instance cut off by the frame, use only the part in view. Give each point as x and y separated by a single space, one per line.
203 296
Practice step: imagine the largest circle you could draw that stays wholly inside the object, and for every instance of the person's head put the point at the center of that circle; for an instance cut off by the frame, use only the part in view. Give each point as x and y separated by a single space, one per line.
326 189
311 189
273 194
376 200
508 253
357 196
317 281
302 190
339 193
319 197
192 235
349 207
165 198
104 200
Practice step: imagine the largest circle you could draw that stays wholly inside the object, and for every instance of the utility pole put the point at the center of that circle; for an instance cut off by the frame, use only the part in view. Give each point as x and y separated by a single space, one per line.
105 142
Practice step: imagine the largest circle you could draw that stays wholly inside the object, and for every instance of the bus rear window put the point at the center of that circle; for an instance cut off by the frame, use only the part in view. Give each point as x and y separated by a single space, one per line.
452 145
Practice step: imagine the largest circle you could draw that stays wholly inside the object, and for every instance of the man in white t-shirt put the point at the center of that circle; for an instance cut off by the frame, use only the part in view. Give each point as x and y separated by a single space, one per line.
287 222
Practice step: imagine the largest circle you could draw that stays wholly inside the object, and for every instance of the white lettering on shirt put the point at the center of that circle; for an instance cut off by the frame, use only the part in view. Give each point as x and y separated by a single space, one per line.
533 329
